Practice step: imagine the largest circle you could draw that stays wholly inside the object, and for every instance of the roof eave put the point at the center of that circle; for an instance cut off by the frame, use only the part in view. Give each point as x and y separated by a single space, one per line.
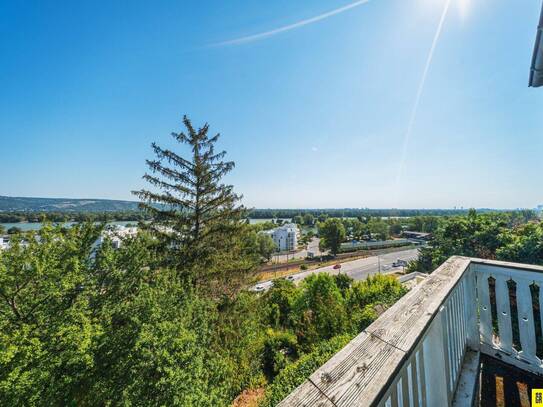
536 69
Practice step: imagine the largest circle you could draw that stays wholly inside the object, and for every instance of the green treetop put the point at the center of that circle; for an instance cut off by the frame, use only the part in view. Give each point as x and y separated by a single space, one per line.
196 216
332 233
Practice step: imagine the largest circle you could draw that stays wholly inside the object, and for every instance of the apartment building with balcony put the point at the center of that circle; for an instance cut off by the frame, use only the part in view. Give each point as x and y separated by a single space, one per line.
285 237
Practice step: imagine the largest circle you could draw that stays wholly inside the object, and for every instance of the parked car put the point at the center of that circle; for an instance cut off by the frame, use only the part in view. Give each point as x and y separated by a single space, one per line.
259 288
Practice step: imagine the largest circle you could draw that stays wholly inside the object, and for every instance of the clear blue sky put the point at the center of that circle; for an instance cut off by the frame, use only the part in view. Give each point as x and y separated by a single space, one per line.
313 117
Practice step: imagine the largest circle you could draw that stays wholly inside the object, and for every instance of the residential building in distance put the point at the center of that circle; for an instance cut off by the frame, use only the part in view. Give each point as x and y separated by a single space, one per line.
116 235
4 242
285 237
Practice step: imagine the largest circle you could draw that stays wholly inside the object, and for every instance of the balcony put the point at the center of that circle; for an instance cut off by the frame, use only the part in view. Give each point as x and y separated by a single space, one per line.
470 319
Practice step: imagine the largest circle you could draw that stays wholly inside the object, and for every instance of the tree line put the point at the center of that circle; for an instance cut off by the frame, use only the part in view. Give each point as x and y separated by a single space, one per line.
62 216
510 236
356 212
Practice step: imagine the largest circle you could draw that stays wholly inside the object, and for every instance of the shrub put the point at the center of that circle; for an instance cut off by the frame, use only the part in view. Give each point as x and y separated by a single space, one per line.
280 349
319 311
279 300
343 282
362 318
377 289
295 373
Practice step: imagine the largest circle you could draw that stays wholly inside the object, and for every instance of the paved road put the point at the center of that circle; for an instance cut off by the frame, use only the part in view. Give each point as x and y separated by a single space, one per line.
357 269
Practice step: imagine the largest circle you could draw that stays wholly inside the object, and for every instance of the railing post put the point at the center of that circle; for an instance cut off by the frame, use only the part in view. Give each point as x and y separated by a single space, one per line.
435 366
470 309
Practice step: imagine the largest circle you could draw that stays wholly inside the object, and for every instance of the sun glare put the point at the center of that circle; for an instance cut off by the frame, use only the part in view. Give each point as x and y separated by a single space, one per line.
463 8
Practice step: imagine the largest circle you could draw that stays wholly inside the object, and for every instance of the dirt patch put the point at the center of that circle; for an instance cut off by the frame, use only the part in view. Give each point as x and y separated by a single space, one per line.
249 398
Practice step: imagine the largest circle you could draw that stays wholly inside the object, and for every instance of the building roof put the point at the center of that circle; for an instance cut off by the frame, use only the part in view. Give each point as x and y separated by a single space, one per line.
536 70
419 234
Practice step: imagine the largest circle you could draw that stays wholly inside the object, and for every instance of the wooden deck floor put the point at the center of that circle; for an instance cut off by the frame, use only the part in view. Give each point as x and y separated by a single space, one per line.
503 385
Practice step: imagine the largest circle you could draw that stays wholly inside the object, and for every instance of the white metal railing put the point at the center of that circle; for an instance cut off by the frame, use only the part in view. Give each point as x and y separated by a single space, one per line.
443 346
413 354
510 297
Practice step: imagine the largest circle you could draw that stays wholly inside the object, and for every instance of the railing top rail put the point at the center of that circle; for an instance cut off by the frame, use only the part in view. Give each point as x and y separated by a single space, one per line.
507 264
362 371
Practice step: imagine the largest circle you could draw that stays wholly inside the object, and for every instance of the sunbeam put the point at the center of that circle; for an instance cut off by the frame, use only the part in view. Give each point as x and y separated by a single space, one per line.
420 89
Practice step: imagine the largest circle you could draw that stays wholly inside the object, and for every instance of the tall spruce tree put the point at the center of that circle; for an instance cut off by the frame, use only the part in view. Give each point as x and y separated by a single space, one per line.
196 217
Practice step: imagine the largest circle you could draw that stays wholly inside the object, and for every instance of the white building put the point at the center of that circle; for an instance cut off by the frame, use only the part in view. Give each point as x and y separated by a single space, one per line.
4 242
116 235
285 237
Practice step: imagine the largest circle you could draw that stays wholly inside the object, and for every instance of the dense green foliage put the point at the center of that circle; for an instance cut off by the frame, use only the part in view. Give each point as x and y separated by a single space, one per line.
317 319
356 213
266 246
99 326
513 236
332 234
94 328
295 373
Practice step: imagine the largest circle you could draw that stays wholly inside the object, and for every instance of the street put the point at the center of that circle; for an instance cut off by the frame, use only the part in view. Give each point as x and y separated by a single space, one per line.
357 269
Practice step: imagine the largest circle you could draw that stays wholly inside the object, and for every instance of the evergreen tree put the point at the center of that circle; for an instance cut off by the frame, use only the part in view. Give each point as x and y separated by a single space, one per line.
196 217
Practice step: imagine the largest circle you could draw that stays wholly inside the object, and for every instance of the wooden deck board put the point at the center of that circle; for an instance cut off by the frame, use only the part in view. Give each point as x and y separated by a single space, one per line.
401 325
356 375
306 395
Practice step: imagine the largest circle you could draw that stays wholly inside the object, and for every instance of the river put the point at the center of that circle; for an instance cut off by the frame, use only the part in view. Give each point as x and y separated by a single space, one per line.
26 226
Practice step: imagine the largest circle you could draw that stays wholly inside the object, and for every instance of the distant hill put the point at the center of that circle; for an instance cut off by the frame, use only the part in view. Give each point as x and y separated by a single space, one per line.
11 204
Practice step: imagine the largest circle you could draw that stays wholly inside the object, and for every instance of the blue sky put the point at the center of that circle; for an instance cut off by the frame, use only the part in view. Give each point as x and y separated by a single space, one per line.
313 117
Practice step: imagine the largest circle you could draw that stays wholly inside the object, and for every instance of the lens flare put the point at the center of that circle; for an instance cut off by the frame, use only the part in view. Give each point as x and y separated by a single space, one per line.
463 8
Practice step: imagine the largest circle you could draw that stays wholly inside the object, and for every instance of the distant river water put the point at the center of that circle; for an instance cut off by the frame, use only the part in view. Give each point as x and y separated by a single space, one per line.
26 226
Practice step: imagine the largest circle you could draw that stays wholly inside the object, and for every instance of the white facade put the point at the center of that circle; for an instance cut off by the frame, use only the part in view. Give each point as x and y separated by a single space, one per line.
4 242
285 237
117 235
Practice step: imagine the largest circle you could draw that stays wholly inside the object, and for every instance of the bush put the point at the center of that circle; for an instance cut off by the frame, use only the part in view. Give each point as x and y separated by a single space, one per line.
377 289
295 373
343 282
279 301
319 311
362 318
280 349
